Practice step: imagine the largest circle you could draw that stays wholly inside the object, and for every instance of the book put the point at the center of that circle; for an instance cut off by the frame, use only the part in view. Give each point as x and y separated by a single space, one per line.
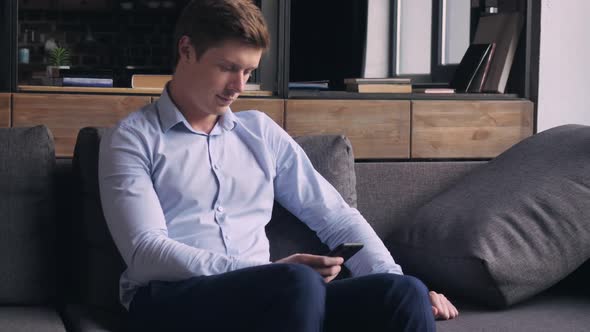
310 85
434 90
482 73
88 81
469 66
383 80
379 88
503 30
140 81
252 87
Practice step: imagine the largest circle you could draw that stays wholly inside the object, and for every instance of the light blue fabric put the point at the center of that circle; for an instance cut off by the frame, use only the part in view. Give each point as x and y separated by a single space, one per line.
181 203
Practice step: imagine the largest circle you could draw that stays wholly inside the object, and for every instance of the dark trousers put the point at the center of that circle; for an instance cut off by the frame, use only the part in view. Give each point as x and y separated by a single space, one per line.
283 297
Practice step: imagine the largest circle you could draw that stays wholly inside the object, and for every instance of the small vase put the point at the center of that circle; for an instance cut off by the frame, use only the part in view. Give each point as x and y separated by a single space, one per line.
53 74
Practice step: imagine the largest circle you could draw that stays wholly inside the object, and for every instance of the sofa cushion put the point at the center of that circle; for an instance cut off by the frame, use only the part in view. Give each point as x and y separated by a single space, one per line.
332 157
511 228
547 312
84 318
27 216
27 319
100 264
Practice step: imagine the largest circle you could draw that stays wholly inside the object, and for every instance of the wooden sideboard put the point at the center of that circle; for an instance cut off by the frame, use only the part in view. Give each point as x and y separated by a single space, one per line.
377 129
468 129
5 107
66 114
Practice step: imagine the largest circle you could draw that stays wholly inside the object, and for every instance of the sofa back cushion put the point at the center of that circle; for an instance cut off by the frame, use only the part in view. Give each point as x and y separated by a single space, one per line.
27 216
102 264
99 263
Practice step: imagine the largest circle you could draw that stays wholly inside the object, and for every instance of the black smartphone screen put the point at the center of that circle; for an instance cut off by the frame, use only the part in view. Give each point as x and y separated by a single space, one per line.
345 250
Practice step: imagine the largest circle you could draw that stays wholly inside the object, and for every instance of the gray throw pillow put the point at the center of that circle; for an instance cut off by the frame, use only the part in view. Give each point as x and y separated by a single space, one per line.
511 228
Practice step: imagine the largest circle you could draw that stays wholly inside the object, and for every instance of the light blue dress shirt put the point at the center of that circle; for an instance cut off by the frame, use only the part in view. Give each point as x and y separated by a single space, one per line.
181 203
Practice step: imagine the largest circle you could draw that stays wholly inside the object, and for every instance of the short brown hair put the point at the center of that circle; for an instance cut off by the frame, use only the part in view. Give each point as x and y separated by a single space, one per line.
209 22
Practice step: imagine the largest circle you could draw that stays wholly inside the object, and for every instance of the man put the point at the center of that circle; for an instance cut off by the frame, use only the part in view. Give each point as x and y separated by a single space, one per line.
187 188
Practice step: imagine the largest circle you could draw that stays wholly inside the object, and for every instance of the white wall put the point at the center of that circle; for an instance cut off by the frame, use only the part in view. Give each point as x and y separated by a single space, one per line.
564 63
456 20
414 31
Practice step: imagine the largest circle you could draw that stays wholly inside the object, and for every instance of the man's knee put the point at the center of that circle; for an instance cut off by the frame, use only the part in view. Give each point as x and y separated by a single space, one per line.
405 289
410 304
299 276
414 285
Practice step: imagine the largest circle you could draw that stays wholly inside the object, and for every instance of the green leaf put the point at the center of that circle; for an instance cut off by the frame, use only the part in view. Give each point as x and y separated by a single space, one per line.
59 56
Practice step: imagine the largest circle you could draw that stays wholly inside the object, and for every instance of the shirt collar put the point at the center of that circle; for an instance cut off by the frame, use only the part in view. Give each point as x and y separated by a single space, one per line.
167 111
170 115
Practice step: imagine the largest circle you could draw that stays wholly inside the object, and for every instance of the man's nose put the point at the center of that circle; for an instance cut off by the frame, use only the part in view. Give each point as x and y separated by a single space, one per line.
238 82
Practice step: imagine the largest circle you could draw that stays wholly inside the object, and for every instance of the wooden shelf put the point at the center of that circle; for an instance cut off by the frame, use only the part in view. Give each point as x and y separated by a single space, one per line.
143 91
319 94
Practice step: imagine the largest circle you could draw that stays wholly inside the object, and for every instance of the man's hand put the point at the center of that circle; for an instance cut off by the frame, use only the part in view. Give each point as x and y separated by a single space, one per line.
441 307
327 267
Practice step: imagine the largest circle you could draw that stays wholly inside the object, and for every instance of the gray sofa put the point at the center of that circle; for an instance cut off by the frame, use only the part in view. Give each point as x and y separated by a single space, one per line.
59 269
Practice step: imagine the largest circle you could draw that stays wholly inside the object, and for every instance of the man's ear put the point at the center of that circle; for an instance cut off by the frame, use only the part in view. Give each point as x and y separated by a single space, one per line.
185 48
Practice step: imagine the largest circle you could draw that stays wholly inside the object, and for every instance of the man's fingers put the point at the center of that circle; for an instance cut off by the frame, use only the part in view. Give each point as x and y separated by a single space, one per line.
329 271
317 261
440 305
452 311
442 308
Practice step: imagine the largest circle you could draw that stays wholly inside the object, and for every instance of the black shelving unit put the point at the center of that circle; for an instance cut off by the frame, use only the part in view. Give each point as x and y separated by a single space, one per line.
274 73
7 45
522 84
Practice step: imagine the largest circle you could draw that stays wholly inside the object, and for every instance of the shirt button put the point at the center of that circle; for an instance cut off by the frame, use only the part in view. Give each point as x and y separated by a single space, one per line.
215 167
220 209
226 237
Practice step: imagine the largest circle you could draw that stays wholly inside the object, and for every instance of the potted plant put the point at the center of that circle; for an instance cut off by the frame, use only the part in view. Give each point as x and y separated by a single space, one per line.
59 58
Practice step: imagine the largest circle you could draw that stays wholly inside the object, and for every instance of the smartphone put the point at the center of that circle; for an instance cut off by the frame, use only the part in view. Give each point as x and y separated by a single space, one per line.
345 250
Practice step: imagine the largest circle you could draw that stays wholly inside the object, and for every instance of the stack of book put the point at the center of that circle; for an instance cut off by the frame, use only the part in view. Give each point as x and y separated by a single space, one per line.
472 71
379 85
87 78
486 64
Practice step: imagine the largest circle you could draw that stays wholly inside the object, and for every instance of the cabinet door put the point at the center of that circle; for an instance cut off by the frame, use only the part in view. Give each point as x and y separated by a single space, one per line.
65 114
376 128
468 129
274 108
4 110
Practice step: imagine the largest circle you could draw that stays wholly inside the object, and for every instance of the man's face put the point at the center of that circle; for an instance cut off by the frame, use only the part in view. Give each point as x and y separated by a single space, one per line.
213 82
